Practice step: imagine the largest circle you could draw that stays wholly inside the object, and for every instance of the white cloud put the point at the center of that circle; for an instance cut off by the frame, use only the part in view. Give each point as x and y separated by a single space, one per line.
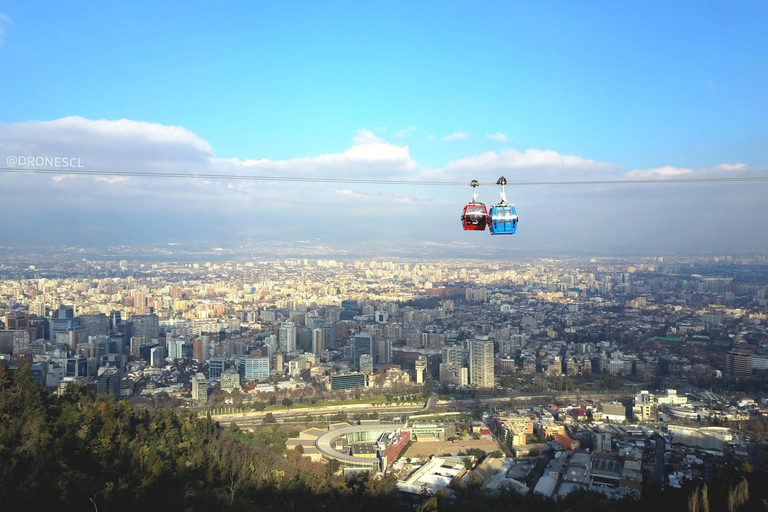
498 137
430 137
660 172
583 217
4 20
366 137
456 136
531 165
406 132
730 167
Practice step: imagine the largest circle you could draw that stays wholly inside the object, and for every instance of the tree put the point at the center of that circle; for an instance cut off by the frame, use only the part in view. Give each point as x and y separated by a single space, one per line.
738 496
332 467
272 400
287 402
269 418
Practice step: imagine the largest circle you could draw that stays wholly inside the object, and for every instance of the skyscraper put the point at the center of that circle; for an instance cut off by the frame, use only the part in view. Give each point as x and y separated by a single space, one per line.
362 344
384 351
199 389
145 325
481 362
318 340
288 337
64 321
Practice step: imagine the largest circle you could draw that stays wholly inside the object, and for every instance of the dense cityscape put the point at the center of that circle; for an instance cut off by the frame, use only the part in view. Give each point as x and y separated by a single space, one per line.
383 256
550 376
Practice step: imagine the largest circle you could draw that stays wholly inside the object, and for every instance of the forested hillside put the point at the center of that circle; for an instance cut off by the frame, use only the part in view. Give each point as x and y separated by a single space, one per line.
84 453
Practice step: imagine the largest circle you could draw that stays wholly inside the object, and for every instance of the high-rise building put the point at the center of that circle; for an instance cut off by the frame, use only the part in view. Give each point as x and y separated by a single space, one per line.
96 324
280 362
454 375
115 317
146 325
254 368
77 366
136 344
384 351
362 344
199 389
156 358
481 362
453 354
738 364
201 348
420 366
216 367
64 321
318 340
108 381
304 339
349 309
366 364
230 380
288 337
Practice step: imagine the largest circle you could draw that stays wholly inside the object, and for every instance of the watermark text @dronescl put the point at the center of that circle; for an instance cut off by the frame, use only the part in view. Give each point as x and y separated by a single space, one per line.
44 161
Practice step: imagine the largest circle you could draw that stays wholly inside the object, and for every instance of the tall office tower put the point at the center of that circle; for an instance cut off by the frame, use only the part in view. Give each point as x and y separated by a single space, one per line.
136 343
96 324
421 367
115 317
216 366
318 340
108 381
330 335
384 351
199 389
349 309
156 358
279 362
362 344
288 337
16 320
173 346
201 348
146 325
304 339
333 314
481 363
271 342
366 364
64 321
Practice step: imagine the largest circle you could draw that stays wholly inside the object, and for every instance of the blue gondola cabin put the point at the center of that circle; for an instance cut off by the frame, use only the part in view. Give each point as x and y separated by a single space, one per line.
502 219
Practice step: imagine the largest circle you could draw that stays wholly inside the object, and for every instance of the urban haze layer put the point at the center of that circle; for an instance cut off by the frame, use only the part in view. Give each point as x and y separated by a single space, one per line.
543 379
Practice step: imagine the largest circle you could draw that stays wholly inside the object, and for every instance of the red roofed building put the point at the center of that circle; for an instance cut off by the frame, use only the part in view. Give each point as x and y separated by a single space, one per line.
578 414
566 442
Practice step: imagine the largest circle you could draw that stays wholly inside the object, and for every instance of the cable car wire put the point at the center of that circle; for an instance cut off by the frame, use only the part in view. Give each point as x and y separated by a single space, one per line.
366 181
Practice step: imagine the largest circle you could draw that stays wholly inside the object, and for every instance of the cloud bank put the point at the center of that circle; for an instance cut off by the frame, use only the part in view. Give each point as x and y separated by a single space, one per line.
105 210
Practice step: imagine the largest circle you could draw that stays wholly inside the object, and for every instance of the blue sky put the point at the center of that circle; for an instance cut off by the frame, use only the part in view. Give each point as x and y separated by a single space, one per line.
636 86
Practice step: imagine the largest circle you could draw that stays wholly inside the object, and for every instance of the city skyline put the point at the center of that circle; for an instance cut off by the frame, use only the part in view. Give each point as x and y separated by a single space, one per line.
417 93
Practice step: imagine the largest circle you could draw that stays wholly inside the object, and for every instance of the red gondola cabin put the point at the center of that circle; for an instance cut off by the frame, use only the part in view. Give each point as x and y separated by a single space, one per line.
475 217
